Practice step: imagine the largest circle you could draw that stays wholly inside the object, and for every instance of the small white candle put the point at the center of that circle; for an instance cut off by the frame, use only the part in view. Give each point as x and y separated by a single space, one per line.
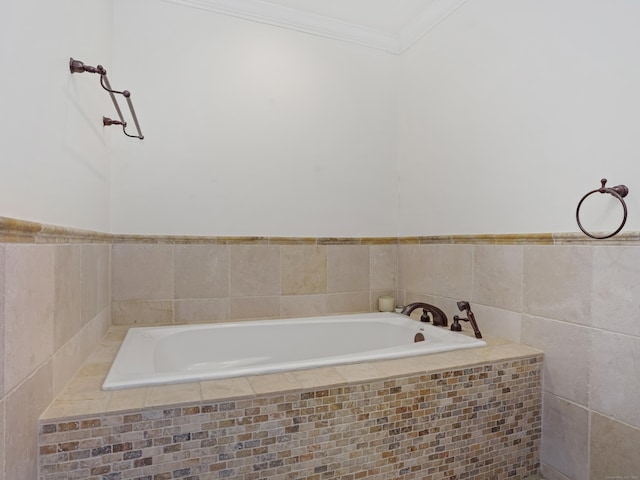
386 303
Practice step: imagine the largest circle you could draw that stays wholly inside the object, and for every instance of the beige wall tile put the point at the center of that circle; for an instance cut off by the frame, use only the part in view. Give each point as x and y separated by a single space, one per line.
557 282
126 399
28 310
2 435
383 267
254 270
142 312
615 376
23 408
276 382
441 270
88 282
451 270
565 429
303 305
401 366
402 297
94 369
497 276
318 377
69 358
103 259
72 408
95 331
84 388
357 372
414 296
450 307
104 353
65 362
203 310
2 285
413 268
304 269
96 280
614 449
170 394
348 302
201 271
566 355
549 473
68 293
142 272
254 308
495 322
616 282
347 268
225 388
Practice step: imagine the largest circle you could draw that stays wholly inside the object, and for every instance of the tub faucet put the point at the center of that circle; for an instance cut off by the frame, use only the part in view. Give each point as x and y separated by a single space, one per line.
464 306
439 317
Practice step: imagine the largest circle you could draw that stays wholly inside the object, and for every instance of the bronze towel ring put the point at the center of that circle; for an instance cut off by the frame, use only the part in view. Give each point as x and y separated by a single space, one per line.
619 191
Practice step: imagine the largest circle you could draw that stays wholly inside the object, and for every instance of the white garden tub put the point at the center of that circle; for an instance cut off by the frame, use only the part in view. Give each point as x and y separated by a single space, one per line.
164 355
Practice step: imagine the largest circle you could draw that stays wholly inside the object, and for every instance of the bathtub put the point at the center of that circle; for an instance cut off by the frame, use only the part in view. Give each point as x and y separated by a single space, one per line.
188 353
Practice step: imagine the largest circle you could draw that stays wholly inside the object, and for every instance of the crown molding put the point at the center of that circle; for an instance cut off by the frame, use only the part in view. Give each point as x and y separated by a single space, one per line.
280 16
427 20
277 15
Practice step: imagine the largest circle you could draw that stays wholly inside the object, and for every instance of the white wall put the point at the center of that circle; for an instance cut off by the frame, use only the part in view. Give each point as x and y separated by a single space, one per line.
251 129
54 164
509 113
512 111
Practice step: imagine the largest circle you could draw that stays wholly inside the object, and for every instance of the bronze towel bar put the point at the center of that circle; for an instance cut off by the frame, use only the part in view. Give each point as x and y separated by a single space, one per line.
76 66
619 191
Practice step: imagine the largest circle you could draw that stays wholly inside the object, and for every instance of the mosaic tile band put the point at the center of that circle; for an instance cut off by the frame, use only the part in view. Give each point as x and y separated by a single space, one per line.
481 422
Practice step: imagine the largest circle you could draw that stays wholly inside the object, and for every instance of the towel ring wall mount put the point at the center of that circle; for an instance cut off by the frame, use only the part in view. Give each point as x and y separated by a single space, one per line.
619 192
76 66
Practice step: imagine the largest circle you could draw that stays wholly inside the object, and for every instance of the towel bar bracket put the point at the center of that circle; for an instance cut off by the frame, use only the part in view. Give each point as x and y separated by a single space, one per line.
76 66
106 121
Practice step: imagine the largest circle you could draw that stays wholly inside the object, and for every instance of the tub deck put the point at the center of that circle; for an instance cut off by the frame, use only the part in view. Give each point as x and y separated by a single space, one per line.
467 414
475 413
83 395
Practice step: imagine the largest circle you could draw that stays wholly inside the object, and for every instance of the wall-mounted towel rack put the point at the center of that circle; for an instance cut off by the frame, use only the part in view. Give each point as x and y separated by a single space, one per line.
619 192
76 66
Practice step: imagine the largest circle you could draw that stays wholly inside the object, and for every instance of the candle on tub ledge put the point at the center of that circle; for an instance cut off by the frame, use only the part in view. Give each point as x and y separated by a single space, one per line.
386 303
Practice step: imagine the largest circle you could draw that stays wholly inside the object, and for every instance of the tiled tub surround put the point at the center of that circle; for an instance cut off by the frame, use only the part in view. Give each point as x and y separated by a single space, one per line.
572 297
472 414
165 280
233 279
578 302
54 310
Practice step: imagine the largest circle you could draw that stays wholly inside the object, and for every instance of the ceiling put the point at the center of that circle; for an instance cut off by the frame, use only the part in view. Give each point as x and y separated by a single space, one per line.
389 25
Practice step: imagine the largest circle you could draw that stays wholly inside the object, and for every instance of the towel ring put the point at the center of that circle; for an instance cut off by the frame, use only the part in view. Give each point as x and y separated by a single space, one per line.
619 191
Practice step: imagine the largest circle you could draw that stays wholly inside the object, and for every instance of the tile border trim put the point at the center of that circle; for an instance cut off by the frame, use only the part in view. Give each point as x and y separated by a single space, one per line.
22 231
